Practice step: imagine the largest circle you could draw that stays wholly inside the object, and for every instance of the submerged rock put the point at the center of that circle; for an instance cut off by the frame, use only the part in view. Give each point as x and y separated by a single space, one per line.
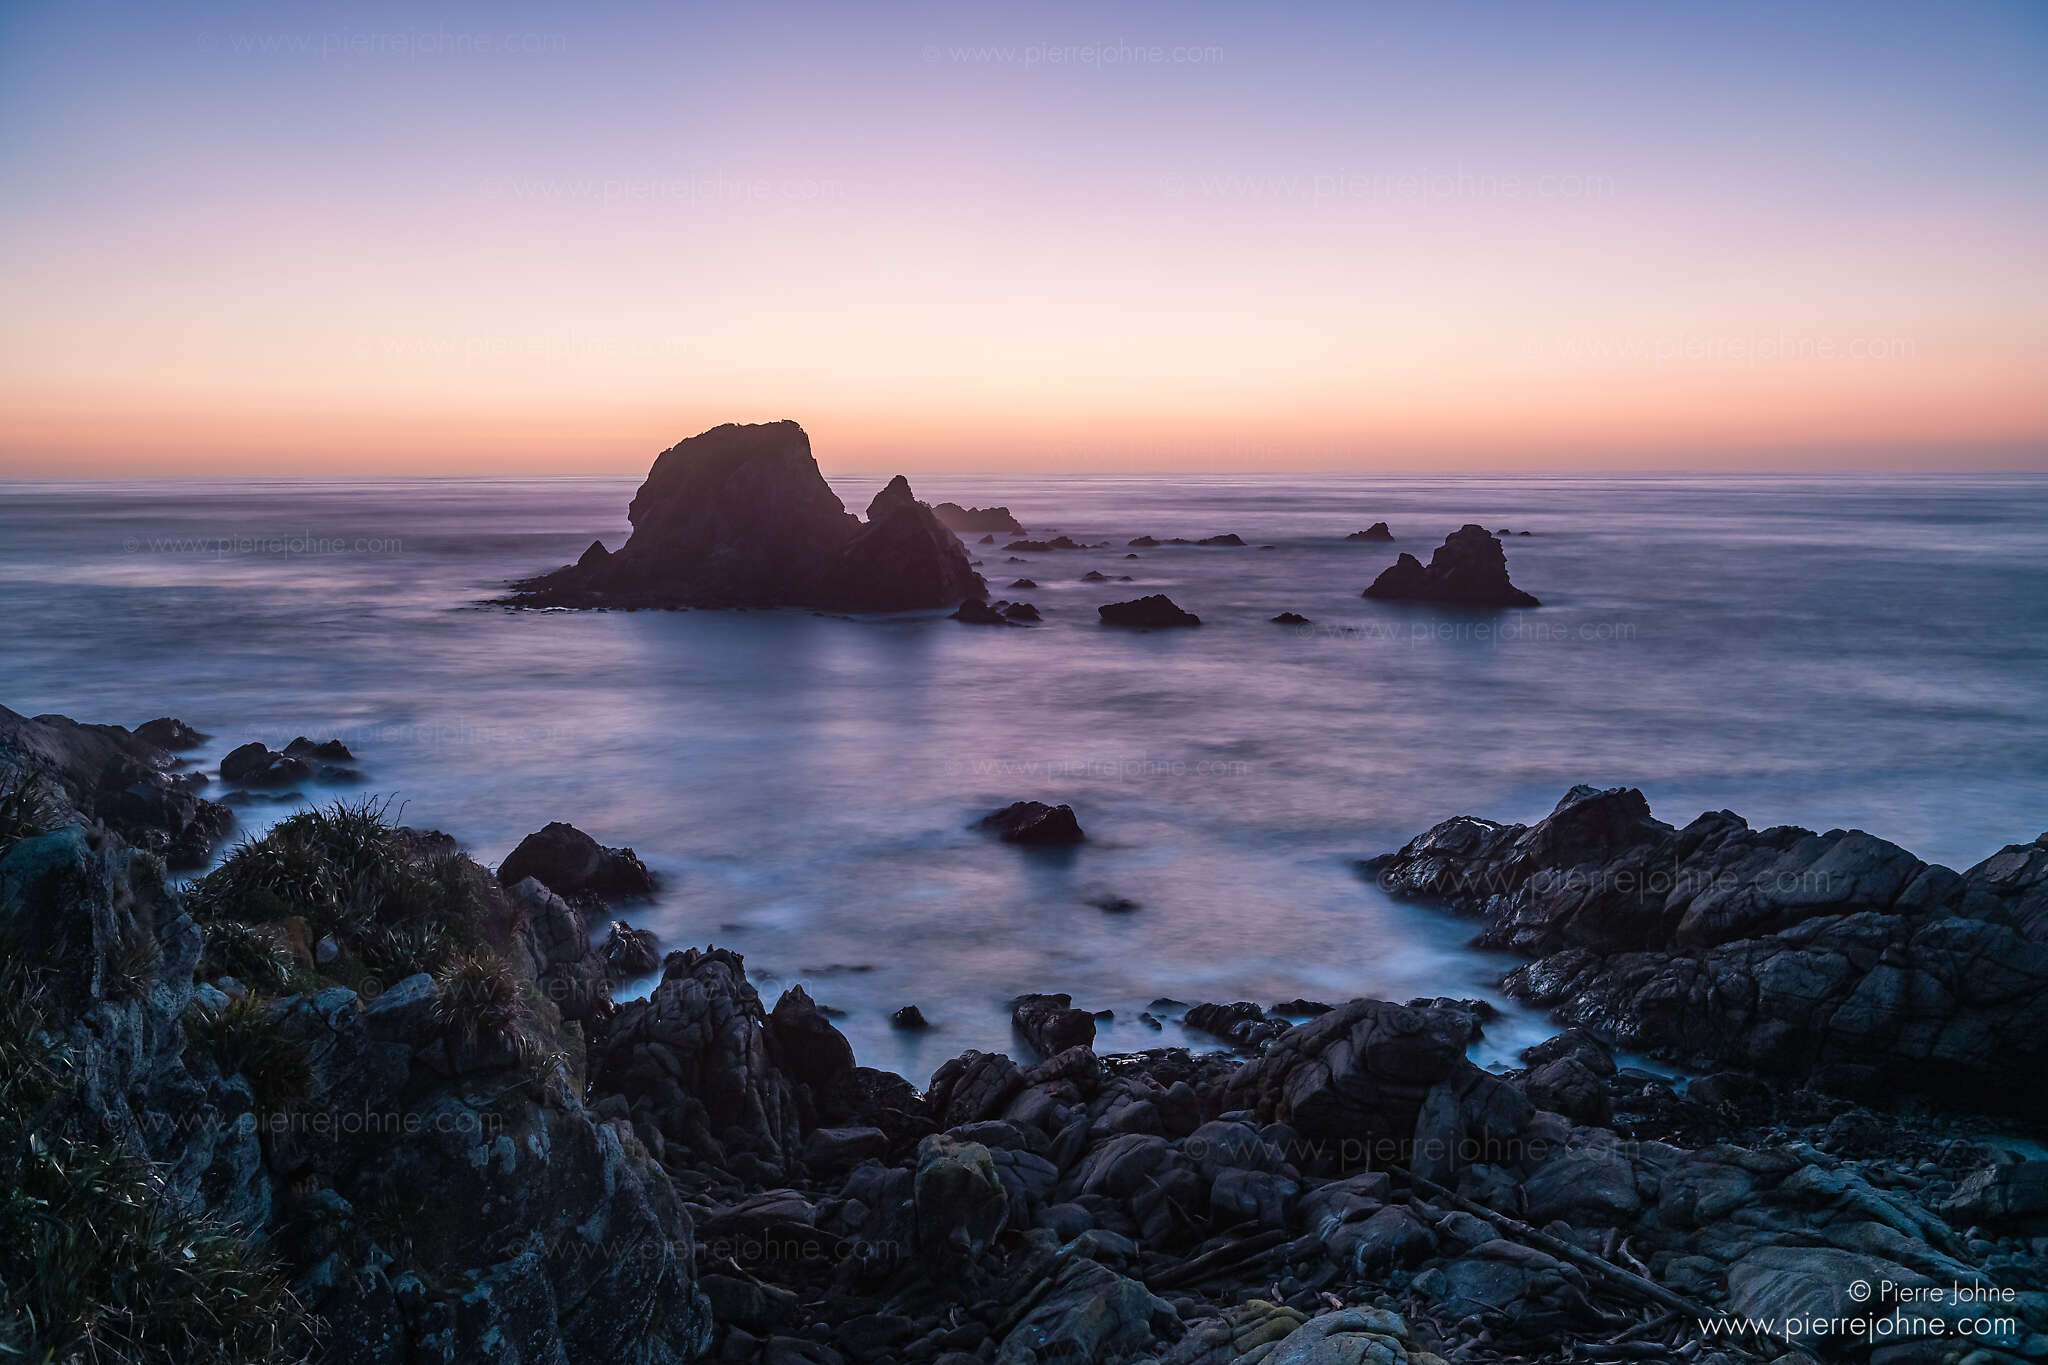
1155 610
1468 569
975 612
1034 822
739 516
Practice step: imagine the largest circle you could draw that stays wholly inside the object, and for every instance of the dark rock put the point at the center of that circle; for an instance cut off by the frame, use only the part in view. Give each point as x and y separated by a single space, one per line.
1143 542
1094 576
1227 538
167 732
255 764
975 612
594 557
1024 583
1044 546
986 540
1468 569
1051 1024
961 1205
2000 1196
967 520
1034 822
327 748
1289 618
1377 531
630 952
1115 905
807 1047
1836 959
909 1017
1243 1023
567 861
696 1063
740 516
1156 610
1020 611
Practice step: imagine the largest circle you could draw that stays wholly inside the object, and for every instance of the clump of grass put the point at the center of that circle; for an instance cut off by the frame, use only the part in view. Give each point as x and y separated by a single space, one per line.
246 1039
234 949
397 904
24 810
96 1266
482 1008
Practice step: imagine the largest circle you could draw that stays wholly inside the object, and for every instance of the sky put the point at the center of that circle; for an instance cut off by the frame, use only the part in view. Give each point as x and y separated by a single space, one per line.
318 239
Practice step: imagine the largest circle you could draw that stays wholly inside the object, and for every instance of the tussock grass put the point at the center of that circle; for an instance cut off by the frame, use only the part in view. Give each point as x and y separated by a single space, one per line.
396 903
96 1267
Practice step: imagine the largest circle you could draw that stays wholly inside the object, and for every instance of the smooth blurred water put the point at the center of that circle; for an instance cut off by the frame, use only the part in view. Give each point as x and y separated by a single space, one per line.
1829 652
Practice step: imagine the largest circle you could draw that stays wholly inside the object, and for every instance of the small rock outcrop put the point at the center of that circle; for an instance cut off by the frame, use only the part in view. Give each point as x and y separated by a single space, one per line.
1034 822
971 520
739 516
569 862
1153 611
1290 618
1228 538
126 781
1837 959
1469 570
1051 1024
1377 531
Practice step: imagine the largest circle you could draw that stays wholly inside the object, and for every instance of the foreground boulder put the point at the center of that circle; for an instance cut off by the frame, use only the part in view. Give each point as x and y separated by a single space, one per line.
1469 570
1034 822
569 862
1836 959
973 520
1154 611
739 516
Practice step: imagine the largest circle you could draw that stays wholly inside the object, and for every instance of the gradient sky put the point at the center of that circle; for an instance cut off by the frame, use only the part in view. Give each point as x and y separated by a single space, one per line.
321 239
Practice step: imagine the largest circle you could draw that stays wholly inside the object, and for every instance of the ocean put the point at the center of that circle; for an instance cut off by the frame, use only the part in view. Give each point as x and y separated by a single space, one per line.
1833 652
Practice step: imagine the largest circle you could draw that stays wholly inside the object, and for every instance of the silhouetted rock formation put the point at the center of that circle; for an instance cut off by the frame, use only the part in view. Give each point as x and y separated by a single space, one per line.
1377 531
1228 538
1469 569
1156 610
740 516
967 520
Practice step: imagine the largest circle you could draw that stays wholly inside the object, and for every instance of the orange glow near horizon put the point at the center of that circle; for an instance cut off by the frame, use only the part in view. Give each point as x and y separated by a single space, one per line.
1616 257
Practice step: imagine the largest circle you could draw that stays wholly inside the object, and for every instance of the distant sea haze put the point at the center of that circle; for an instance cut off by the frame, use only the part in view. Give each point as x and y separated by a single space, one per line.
1821 651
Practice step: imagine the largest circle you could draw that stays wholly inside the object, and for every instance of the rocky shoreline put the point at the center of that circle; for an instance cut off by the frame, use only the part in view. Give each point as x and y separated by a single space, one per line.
437 1137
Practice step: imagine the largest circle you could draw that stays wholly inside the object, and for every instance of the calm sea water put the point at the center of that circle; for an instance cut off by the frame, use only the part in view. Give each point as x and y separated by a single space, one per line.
1835 652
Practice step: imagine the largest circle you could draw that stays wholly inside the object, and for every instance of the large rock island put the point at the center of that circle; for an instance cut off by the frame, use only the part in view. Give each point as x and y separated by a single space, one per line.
739 516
